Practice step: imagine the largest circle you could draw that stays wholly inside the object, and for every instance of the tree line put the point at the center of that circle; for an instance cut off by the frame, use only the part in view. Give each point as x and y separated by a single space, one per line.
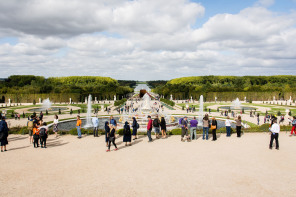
103 87
185 87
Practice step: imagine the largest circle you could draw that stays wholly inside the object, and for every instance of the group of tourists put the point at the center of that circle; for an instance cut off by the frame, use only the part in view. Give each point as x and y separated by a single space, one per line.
207 125
158 125
38 131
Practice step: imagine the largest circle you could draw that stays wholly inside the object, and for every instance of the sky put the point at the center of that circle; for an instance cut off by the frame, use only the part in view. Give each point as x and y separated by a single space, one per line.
147 39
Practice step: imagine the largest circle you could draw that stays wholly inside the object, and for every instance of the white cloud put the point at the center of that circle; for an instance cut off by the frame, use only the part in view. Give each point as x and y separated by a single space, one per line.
143 40
64 18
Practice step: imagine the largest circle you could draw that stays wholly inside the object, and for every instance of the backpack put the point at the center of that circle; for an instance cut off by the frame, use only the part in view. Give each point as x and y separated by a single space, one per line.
155 123
42 132
180 121
138 126
30 125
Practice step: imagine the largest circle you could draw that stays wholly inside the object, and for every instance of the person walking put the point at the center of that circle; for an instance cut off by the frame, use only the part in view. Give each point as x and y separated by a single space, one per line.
107 133
95 122
275 130
156 124
55 125
293 126
127 135
78 126
228 127
135 126
163 127
3 133
206 123
193 128
238 126
112 138
149 129
184 129
214 126
113 122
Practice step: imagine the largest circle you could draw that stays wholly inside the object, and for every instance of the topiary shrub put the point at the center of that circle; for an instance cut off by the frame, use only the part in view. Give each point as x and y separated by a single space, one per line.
169 102
120 132
176 132
120 102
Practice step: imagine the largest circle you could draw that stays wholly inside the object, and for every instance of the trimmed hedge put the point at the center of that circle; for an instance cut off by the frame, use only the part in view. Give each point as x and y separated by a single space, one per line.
171 103
120 102
259 129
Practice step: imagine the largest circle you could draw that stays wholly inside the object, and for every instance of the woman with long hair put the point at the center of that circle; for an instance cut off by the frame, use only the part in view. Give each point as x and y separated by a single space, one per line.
163 127
238 126
55 125
206 123
112 138
228 127
214 126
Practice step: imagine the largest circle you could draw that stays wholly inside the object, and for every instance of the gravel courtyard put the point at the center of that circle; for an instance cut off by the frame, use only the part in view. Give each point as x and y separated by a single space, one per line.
165 167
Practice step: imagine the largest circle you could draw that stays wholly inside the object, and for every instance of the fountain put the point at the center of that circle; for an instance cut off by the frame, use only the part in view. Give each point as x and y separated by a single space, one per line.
146 107
88 115
200 123
236 104
46 104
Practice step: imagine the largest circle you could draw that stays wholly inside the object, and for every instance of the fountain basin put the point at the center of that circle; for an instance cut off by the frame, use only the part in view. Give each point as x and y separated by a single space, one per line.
67 125
49 109
237 108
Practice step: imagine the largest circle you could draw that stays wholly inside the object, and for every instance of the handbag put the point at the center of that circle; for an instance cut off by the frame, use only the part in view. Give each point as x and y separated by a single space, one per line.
111 139
213 127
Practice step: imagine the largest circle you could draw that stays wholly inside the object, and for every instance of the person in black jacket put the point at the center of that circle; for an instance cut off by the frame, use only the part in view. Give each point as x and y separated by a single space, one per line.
127 136
214 126
163 127
111 136
3 133
135 128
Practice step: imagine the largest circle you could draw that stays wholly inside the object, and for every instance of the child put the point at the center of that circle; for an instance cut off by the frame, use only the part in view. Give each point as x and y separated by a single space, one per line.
36 136
43 135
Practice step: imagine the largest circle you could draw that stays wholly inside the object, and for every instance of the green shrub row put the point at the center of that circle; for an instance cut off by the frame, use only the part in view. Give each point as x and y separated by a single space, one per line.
177 131
120 102
171 103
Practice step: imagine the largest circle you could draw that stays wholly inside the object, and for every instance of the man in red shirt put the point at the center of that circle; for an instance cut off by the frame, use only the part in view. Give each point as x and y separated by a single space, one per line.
149 128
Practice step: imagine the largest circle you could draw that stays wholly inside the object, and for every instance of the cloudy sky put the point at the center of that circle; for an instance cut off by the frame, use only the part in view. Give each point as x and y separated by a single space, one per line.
147 39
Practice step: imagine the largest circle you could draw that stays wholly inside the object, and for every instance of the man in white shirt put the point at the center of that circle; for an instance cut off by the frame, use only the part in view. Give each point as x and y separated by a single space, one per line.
275 130
95 122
